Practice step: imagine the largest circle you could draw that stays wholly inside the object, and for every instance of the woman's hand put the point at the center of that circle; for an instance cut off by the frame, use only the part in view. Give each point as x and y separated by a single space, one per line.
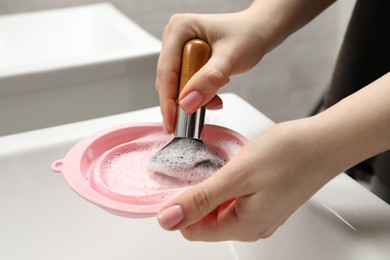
238 42
275 173
254 193
236 45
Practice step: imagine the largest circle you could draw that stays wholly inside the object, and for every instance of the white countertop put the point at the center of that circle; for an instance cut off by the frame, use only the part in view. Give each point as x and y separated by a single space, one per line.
42 218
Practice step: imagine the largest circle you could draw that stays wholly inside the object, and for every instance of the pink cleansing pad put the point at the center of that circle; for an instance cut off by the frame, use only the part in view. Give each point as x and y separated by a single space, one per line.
110 168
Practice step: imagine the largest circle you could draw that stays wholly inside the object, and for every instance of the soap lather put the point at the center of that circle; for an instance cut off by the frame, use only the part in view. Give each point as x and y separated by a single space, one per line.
186 157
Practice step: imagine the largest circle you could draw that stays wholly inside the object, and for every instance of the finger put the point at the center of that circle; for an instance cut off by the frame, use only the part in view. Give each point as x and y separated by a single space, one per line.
175 35
231 221
207 81
168 67
166 82
220 225
215 103
189 207
203 198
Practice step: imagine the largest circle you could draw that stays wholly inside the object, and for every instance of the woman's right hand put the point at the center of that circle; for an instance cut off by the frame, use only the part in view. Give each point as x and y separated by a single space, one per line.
237 44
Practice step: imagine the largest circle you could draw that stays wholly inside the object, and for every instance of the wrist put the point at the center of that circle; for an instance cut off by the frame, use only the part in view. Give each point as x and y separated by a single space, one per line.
320 148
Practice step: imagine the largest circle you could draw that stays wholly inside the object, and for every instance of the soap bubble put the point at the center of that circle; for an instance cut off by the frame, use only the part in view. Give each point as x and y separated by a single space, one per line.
133 171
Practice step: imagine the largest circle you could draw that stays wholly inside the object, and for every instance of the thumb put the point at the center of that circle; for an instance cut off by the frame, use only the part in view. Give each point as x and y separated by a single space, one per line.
203 85
195 203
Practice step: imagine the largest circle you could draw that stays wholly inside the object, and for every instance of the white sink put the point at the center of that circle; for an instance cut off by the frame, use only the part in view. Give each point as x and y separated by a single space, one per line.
42 218
72 64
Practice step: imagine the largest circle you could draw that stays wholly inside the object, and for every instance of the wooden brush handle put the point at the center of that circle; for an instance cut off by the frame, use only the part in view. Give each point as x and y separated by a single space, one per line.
195 55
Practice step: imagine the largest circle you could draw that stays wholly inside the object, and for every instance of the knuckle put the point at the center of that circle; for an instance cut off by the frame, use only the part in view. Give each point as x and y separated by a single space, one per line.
176 18
215 77
255 236
251 239
160 71
187 234
266 234
165 78
176 21
201 201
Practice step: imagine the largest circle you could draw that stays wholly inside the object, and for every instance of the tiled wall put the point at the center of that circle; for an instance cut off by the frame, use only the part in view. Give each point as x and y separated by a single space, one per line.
285 85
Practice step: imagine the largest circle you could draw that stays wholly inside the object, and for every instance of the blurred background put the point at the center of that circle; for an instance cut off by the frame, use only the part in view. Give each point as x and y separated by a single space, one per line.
285 85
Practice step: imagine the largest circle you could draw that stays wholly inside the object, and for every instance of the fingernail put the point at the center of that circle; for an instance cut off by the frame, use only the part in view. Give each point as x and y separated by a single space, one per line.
190 102
170 217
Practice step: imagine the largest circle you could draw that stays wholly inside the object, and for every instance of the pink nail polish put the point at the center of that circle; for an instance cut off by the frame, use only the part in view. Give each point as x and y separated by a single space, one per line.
170 217
190 102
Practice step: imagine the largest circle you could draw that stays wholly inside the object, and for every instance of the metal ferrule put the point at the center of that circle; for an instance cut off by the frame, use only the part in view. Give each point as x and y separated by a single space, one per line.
190 125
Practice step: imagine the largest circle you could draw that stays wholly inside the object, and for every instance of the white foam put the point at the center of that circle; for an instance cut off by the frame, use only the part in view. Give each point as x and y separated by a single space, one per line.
130 171
187 160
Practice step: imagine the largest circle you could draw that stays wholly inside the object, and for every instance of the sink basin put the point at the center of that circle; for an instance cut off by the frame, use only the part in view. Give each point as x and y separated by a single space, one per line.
66 65
42 218
341 221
